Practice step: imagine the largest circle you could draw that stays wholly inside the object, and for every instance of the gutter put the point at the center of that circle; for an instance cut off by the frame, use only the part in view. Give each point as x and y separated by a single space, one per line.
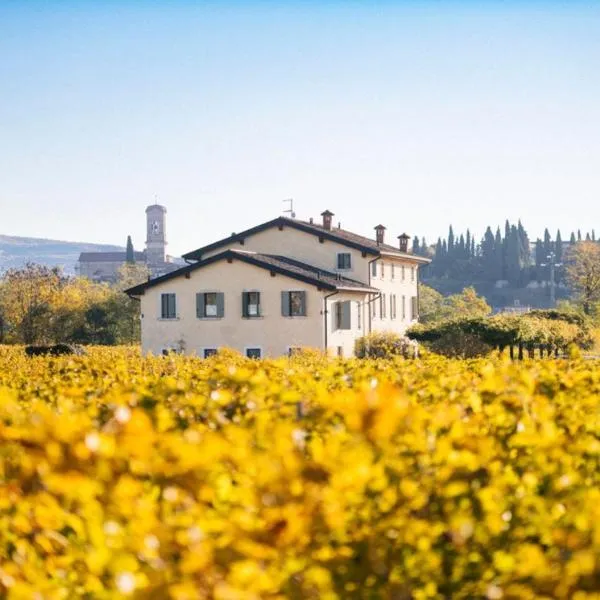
325 313
377 296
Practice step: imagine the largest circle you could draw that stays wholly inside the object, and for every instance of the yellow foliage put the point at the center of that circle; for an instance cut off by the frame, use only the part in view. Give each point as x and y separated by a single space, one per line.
173 477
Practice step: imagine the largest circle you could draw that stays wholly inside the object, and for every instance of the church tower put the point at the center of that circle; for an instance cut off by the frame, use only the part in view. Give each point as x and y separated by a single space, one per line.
156 240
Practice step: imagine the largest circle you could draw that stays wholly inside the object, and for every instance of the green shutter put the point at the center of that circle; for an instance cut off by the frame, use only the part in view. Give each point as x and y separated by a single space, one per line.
199 305
285 304
220 305
244 304
346 317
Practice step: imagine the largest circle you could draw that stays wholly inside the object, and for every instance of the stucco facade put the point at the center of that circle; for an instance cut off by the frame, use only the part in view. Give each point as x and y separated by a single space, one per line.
352 285
272 332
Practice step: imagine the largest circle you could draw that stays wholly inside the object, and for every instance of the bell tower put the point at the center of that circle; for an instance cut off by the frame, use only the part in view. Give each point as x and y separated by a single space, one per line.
156 237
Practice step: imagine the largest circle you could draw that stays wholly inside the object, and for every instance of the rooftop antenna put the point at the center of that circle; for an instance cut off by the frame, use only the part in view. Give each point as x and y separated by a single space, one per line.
291 208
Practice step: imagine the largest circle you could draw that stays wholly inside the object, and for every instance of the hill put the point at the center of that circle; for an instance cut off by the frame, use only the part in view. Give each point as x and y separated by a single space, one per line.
17 251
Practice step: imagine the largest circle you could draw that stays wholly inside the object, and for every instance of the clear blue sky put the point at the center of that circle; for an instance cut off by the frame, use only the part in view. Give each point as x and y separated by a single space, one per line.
413 114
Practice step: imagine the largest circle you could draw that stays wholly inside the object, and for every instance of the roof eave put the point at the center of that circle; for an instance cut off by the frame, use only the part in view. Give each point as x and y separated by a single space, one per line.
413 257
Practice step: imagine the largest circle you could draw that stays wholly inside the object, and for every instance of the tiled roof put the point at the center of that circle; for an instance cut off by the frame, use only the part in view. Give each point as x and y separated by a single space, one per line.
108 256
275 263
339 235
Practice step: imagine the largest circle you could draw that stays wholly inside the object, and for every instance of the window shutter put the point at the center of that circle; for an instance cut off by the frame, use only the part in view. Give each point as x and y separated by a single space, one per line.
220 304
346 319
415 308
245 304
173 310
199 305
163 306
303 303
285 304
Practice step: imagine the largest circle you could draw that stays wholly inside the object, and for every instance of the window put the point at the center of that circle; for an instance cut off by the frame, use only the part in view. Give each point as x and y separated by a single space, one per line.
414 308
250 304
412 273
374 269
294 350
293 304
374 307
382 306
403 273
358 316
340 351
253 353
342 315
393 270
344 260
392 301
403 308
210 305
208 352
168 306
382 271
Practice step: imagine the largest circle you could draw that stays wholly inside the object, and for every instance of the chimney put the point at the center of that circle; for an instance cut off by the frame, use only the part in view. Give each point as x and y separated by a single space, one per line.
310 220
379 233
327 219
403 242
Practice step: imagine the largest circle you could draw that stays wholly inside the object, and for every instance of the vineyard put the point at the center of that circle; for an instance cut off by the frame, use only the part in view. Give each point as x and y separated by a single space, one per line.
226 478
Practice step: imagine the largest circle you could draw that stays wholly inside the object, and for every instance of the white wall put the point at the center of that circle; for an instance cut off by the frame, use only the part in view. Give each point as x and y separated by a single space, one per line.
272 332
387 285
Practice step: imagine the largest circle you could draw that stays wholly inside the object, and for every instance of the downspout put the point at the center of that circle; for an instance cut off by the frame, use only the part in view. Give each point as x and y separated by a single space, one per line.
373 300
325 312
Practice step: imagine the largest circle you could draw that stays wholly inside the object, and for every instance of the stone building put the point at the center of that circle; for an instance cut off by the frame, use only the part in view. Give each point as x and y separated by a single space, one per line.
104 266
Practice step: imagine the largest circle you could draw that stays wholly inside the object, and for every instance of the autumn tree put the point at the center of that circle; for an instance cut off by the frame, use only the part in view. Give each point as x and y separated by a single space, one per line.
583 273
26 298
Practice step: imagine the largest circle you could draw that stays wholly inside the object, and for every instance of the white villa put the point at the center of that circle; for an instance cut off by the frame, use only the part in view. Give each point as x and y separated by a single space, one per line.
279 286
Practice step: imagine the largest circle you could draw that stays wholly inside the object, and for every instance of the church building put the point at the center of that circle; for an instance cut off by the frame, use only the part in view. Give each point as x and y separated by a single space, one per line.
104 266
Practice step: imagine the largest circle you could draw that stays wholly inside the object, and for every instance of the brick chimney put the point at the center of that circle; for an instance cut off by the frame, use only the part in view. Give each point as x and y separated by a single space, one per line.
379 234
327 219
404 242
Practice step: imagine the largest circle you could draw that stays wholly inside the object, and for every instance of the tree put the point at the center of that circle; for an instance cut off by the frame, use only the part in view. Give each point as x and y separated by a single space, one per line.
430 302
583 273
129 253
26 297
433 307
415 246
450 241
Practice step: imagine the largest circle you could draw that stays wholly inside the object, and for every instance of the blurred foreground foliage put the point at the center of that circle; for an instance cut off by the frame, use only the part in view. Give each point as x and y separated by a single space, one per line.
303 477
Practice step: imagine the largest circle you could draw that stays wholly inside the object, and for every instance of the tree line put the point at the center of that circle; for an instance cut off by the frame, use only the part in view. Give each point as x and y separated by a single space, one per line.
40 305
497 256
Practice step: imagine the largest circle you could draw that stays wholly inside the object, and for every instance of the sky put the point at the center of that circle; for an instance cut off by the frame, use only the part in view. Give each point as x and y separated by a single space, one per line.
416 115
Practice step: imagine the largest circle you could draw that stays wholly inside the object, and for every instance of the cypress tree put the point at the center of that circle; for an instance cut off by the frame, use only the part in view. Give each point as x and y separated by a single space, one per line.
558 247
129 254
468 244
539 259
587 237
450 241
579 235
558 253
498 256
547 243
572 241
415 247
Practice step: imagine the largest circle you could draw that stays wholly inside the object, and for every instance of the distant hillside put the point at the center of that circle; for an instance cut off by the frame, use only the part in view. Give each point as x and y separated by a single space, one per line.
17 251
